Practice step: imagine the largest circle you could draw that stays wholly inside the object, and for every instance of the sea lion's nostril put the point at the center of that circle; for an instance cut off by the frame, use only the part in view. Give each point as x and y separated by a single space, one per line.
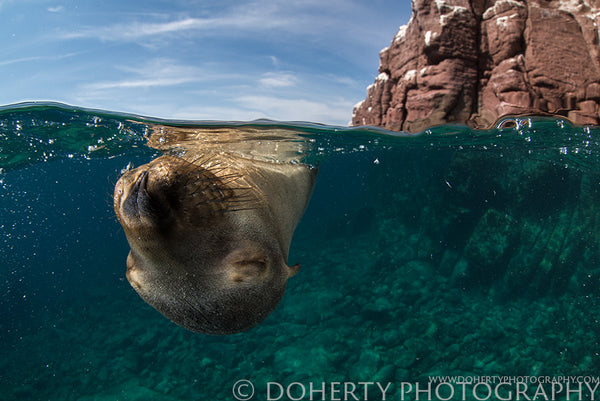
142 180
143 199
129 207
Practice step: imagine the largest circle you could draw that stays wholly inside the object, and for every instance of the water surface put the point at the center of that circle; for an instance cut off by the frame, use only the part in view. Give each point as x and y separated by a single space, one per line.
453 252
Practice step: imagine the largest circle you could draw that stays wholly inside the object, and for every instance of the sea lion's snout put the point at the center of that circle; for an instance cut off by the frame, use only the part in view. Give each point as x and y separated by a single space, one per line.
209 240
141 198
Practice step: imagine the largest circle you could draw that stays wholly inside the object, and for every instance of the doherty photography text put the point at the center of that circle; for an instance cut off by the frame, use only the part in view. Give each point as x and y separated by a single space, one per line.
439 388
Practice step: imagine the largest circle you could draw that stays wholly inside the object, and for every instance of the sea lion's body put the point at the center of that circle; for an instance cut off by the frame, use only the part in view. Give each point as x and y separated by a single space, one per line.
210 236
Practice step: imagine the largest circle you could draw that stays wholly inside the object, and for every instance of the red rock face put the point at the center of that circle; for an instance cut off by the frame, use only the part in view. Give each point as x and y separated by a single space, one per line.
473 61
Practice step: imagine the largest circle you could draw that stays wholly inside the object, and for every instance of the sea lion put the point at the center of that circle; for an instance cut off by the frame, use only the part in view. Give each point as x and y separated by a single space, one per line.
210 236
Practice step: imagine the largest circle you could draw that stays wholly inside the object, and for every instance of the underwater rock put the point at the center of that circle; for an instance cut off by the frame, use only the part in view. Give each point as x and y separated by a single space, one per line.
380 310
489 246
406 359
133 391
385 374
549 255
367 365
470 61
309 358
509 222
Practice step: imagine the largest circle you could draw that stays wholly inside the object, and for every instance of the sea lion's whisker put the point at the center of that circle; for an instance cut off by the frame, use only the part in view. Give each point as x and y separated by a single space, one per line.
223 189
239 210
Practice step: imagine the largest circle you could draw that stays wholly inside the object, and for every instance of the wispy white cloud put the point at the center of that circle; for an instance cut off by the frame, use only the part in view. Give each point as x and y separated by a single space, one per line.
297 16
279 59
176 90
333 111
251 107
277 80
140 83
132 31
275 61
158 72
208 112
35 58
344 80
19 60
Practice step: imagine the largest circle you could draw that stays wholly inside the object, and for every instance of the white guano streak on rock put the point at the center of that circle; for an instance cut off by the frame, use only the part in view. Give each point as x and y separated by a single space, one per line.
451 12
427 38
410 75
401 33
490 12
582 7
503 21
356 106
383 76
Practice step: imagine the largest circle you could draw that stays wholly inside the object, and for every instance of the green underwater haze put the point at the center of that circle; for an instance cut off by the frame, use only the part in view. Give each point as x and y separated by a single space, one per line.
453 252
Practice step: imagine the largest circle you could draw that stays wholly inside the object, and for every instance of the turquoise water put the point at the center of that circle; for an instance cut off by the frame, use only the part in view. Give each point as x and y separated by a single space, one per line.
453 252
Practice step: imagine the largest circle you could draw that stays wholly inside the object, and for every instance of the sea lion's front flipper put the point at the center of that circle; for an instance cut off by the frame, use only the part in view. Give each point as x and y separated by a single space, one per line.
287 188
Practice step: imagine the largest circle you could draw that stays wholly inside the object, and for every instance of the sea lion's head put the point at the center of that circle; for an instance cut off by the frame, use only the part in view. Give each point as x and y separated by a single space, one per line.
206 249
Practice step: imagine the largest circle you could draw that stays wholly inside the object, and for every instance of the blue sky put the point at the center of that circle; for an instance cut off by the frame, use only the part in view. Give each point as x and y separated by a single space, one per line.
307 60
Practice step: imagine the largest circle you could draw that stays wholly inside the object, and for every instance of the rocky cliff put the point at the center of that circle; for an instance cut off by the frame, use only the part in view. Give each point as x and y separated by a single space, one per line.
472 61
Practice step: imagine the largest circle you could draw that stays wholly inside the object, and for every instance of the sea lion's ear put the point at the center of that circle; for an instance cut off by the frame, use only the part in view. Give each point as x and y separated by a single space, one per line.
292 270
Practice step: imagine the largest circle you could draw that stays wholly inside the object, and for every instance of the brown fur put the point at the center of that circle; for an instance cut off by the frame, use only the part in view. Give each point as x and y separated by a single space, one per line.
210 236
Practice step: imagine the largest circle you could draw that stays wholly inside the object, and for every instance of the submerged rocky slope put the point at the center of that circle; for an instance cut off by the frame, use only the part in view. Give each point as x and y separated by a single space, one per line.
472 61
